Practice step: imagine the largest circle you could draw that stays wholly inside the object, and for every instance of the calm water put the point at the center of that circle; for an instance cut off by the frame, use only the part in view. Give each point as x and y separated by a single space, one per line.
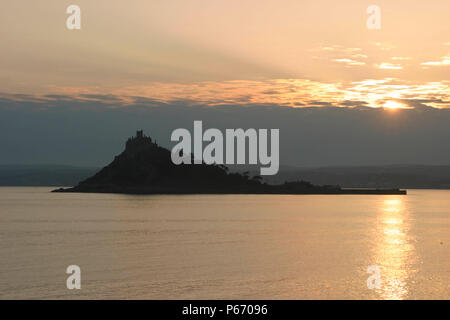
224 247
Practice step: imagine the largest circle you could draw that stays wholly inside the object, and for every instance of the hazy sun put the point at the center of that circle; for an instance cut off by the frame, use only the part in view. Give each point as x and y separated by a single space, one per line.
392 105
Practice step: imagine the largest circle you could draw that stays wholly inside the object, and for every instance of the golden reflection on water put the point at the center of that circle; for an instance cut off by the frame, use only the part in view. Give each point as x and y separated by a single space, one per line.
394 249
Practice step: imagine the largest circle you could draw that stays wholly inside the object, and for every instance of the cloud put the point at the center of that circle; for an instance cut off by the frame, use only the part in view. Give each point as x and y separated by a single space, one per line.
282 92
349 62
320 104
384 46
426 103
339 49
347 56
100 97
390 66
444 62
359 55
349 103
401 58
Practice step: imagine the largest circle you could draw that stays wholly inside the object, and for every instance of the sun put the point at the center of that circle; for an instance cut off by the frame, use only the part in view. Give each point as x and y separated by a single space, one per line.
393 105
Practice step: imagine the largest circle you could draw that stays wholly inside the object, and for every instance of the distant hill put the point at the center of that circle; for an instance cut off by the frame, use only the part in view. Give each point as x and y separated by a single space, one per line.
146 168
43 175
402 176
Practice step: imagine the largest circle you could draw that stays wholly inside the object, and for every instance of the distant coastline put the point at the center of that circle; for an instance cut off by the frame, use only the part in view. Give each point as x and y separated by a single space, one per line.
353 177
146 168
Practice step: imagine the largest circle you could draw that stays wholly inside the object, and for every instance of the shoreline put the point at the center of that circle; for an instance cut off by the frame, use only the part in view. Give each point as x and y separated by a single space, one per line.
344 191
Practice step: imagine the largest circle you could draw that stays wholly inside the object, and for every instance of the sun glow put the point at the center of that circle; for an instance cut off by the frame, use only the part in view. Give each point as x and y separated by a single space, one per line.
393 105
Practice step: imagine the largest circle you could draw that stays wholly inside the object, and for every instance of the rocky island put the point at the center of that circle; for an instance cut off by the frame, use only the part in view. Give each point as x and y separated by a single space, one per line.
146 168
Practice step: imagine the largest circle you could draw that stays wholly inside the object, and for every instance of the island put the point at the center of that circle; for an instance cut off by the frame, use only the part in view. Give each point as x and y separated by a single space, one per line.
144 167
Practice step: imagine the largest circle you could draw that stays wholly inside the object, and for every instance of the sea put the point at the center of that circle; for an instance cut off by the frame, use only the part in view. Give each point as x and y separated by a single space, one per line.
224 246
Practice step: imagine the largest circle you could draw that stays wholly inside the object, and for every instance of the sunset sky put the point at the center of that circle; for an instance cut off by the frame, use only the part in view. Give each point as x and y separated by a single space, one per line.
340 94
291 53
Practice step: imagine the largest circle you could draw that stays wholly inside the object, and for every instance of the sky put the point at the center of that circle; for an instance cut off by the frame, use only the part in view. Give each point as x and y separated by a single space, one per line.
216 51
274 54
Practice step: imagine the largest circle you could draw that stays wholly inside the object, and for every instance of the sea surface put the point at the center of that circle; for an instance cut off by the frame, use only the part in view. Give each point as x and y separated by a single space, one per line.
224 246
